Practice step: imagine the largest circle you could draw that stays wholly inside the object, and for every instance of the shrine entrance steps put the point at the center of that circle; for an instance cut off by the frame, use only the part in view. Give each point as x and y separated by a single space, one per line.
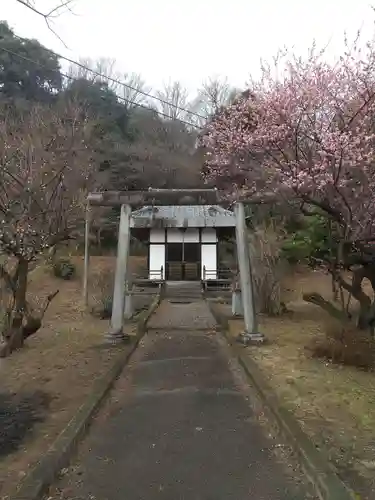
180 291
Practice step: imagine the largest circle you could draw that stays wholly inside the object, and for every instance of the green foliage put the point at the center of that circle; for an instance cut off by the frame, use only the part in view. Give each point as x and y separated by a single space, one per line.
135 148
64 269
109 115
310 240
33 75
159 153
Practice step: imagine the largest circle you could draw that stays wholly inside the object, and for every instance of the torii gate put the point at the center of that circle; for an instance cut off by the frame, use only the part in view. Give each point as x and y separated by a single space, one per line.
158 197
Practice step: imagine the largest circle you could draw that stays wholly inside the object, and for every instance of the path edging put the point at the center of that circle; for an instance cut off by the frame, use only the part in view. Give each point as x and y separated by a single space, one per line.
41 477
320 472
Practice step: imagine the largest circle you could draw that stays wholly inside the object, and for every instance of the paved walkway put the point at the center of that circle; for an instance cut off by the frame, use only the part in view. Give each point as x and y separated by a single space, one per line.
178 426
193 316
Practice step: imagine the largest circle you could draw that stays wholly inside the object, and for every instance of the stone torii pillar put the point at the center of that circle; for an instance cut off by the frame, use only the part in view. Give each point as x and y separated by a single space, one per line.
120 307
85 289
116 333
251 333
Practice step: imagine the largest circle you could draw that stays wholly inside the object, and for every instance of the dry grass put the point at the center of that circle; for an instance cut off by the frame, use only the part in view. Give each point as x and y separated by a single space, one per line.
334 404
268 268
44 383
346 345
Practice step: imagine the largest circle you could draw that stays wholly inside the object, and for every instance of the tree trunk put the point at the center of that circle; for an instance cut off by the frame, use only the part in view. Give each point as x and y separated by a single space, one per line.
99 241
366 318
318 300
335 293
15 338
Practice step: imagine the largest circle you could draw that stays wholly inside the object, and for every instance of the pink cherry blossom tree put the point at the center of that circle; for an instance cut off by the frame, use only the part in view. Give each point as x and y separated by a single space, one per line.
305 132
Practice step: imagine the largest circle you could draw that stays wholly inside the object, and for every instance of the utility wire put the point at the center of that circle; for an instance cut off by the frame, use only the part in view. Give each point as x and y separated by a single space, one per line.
115 80
124 99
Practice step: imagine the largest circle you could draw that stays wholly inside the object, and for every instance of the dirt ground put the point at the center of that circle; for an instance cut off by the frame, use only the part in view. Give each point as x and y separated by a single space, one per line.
334 404
43 384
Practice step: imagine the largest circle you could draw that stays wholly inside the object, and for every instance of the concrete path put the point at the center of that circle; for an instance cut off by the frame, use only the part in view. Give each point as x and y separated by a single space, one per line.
179 426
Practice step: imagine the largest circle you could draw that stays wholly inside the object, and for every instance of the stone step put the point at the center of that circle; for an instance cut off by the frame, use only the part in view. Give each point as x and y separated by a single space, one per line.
183 300
183 289
183 293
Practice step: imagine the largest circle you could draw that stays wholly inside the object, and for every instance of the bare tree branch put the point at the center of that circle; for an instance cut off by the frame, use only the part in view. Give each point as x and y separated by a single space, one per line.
213 95
173 96
30 4
129 87
46 166
134 91
48 16
95 70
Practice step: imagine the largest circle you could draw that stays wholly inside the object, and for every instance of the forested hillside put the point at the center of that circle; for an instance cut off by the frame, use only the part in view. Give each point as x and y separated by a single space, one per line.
137 141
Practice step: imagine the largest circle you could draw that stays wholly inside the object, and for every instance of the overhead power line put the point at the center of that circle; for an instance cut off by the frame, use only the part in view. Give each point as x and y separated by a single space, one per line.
124 99
118 82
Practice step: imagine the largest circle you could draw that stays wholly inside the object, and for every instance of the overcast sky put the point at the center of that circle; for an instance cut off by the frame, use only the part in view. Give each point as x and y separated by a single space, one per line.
190 40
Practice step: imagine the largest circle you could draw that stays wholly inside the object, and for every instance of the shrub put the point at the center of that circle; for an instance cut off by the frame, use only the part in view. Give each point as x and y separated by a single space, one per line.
105 312
102 294
311 240
345 344
64 269
268 268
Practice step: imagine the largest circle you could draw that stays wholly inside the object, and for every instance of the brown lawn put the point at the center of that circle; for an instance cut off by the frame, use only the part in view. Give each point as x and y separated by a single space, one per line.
43 384
334 404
